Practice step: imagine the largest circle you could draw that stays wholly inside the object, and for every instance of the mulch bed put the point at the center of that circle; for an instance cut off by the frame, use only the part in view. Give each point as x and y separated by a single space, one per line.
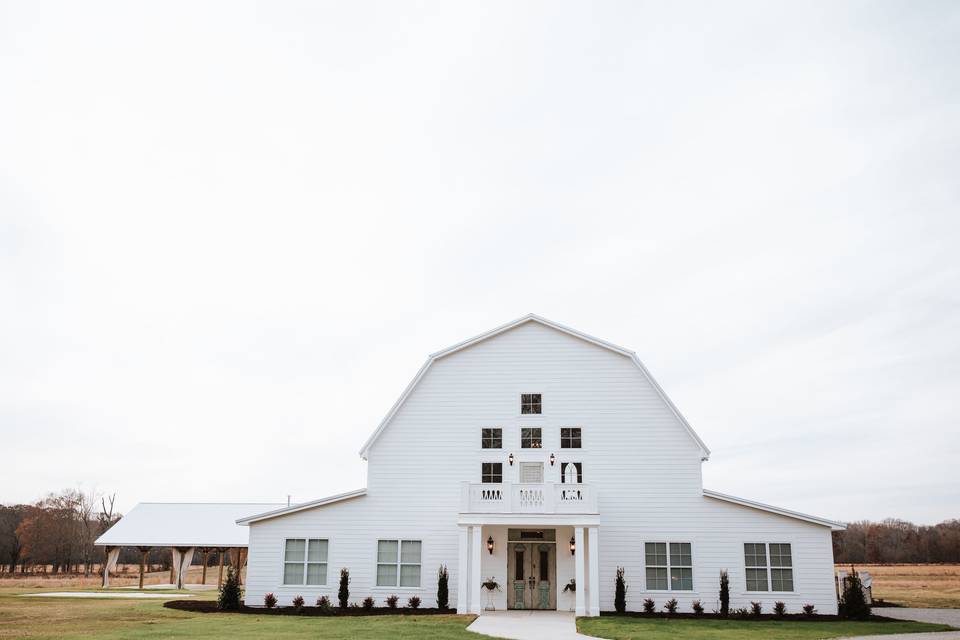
793 617
210 606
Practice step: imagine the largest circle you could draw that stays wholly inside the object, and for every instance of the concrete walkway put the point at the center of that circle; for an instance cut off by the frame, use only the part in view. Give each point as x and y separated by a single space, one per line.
936 616
528 625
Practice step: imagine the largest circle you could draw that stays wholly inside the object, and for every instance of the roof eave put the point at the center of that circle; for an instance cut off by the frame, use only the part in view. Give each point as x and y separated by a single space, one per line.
787 513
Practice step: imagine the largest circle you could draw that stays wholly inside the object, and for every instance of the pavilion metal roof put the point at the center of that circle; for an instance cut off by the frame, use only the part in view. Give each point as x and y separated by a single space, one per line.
184 524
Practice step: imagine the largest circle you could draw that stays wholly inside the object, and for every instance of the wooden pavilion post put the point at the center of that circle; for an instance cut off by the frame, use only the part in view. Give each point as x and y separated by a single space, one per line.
220 552
173 561
203 577
143 561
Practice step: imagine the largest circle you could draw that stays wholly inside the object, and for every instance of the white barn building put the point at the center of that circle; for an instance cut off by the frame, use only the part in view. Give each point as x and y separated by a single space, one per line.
536 455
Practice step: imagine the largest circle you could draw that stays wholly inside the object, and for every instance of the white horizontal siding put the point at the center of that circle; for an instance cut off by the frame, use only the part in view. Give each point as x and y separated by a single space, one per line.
643 462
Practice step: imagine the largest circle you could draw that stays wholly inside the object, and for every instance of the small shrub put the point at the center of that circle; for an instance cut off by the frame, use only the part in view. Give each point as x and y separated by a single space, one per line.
230 593
649 606
323 603
368 603
620 596
853 604
298 604
392 601
354 605
671 606
756 608
269 601
779 608
741 612
697 607
414 602
344 593
443 593
809 610
724 594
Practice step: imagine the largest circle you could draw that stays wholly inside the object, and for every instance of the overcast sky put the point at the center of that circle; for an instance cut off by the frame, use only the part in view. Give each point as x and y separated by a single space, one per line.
231 233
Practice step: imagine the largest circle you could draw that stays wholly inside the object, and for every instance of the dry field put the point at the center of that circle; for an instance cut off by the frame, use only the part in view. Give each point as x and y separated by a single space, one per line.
126 576
916 585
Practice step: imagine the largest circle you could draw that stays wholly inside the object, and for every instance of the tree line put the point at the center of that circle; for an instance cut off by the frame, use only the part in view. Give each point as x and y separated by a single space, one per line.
56 533
897 541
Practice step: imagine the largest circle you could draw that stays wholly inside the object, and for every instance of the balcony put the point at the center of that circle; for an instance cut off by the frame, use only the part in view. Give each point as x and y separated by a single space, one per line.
545 498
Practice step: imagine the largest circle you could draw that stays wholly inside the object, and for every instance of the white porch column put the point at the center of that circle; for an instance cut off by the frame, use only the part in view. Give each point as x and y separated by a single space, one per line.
579 555
463 570
475 559
593 541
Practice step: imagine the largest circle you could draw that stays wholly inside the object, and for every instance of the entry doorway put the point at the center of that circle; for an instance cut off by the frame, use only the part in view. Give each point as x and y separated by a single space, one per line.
532 573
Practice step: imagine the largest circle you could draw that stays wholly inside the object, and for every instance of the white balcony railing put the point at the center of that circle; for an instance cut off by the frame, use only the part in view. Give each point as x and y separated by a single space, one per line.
546 497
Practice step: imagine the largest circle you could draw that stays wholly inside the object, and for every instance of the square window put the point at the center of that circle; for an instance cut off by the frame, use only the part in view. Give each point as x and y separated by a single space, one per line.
781 579
755 554
681 579
398 563
570 438
492 438
292 573
780 555
657 553
657 579
491 472
530 403
757 580
680 555
305 561
531 438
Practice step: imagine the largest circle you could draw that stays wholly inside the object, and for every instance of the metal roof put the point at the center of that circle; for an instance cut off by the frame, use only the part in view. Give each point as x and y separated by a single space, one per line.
183 524
833 524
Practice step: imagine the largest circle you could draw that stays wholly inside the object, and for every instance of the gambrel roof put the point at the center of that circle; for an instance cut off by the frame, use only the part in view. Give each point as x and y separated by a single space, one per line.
705 452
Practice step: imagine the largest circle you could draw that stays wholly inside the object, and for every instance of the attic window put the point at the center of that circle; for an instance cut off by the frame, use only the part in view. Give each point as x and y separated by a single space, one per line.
530 403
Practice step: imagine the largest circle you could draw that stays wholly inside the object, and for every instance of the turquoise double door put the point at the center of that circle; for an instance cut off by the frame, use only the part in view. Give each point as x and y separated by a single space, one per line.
532 569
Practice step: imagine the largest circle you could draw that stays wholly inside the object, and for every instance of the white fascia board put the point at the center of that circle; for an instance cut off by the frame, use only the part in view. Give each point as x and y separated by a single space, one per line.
834 525
303 506
532 317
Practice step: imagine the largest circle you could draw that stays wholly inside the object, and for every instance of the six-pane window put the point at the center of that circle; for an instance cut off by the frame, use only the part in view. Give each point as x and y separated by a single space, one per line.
491 472
671 571
531 438
531 403
492 438
775 575
404 565
305 561
570 437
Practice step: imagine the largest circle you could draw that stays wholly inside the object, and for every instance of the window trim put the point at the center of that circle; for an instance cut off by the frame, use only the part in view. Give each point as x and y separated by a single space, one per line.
398 564
483 440
540 429
305 563
483 474
670 566
580 439
531 393
770 589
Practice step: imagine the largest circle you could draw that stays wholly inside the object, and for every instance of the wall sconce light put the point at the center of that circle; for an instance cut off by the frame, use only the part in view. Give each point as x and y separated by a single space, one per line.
573 545
510 459
490 544
553 459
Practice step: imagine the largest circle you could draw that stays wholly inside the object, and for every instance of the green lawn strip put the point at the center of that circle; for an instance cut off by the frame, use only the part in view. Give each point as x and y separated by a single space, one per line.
75 619
617 628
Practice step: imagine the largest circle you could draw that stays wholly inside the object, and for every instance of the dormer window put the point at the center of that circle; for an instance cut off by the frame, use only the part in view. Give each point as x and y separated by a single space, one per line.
531 438
531 403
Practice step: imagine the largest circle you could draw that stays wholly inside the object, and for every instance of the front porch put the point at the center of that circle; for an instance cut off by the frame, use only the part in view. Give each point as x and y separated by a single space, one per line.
532 558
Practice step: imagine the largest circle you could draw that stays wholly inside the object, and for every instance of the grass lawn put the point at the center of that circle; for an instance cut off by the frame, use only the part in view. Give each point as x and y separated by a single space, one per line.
617 628
915 585
109 619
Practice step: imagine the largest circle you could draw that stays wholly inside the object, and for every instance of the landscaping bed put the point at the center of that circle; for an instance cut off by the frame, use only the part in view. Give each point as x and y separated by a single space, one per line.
210 606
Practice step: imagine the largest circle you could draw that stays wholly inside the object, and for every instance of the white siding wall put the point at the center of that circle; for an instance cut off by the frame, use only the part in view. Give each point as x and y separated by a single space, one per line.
644 464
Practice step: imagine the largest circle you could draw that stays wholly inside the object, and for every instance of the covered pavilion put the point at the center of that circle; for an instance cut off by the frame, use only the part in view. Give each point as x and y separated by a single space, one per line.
184 528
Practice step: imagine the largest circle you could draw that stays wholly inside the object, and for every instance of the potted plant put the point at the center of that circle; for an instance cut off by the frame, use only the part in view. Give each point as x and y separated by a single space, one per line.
572 588
491 585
